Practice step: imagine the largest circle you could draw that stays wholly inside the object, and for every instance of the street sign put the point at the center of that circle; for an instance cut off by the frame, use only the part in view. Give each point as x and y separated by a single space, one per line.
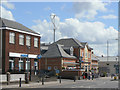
57 71
24 55
39 56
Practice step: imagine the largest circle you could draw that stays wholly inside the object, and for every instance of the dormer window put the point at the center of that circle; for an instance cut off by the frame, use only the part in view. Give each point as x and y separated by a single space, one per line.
71 51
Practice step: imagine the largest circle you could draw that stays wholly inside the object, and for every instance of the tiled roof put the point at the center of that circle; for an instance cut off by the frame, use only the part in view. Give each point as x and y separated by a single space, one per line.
14 25
55 50
69 42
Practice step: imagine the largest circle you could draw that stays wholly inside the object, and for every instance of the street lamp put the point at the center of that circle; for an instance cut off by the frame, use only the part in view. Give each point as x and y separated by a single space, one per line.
27 78
52 16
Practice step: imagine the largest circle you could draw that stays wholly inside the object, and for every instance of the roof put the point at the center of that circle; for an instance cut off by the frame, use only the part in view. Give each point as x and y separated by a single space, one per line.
55 50
85 43
110 58
69 42
15 25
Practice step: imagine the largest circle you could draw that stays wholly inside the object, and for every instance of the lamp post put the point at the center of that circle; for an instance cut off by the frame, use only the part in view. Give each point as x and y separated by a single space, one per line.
27 78
53 22
108 49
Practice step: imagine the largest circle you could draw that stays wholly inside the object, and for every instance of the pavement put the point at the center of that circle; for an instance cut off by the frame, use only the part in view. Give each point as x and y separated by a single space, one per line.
102 82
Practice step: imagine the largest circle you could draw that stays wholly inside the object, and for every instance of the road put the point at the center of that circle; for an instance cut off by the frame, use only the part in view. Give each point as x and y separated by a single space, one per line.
104 82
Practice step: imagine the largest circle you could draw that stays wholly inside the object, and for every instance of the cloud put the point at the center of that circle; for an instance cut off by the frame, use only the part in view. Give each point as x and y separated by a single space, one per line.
92 32
8 4
101 49
109 17
88 9
6 13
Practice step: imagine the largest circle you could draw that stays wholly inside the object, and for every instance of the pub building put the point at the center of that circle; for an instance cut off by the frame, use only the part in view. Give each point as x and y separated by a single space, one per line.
20 47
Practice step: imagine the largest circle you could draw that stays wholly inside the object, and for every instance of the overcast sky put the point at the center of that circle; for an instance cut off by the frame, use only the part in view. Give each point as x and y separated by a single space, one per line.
92 22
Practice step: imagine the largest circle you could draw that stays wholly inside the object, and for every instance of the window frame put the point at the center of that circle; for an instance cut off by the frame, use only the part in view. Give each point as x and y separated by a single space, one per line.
12 36
21 36
36 40
28 38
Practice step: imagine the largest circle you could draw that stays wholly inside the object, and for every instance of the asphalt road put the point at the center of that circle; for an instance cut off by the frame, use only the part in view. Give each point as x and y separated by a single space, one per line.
104 82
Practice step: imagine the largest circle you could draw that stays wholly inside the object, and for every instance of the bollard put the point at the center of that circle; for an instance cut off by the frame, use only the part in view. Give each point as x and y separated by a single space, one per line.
42 80
60 79
74 79
20 83
8 78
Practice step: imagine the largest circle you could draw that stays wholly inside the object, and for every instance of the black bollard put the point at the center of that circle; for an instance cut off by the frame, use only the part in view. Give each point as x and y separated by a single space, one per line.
74 79
42 80
20 83
60 79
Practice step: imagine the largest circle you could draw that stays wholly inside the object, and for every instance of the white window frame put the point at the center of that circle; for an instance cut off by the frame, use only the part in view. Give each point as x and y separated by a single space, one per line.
12 61
35 42
27 65
12 37
21 61
21 37
28 42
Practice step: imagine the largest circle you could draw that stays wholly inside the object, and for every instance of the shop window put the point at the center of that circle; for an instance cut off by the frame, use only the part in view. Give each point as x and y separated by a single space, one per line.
11 63
27 65
21 65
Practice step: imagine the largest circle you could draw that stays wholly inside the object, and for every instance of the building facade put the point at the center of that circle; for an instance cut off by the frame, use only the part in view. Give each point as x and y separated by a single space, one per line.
21 46
71 48
111 66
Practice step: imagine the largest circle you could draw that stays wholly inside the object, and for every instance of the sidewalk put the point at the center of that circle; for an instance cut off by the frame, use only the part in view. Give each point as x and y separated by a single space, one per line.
31 84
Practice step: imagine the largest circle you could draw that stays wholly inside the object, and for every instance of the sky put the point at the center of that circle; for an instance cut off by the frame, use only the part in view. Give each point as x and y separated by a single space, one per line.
92 22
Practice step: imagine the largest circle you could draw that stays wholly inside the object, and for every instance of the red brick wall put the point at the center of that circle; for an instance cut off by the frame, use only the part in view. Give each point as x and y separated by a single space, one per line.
16 48
50 62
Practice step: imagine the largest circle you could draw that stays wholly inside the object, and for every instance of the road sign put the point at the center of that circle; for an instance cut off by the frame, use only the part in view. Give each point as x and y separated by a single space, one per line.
57 71
39 56
24 55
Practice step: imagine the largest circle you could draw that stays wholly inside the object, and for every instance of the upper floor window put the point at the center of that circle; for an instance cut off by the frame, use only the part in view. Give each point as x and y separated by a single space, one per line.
21 39
35 42
85 54
82 54
89 55
28 40
12 37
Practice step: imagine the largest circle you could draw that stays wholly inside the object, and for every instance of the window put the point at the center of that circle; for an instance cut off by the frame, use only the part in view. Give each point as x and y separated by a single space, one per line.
28 40
11 63
86 55
71 51
27 65
21 39
89 55
12 37
82 54
21 65
35 42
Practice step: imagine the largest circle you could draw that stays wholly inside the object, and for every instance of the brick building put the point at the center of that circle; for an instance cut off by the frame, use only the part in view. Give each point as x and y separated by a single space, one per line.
66 56
20 47
81 51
